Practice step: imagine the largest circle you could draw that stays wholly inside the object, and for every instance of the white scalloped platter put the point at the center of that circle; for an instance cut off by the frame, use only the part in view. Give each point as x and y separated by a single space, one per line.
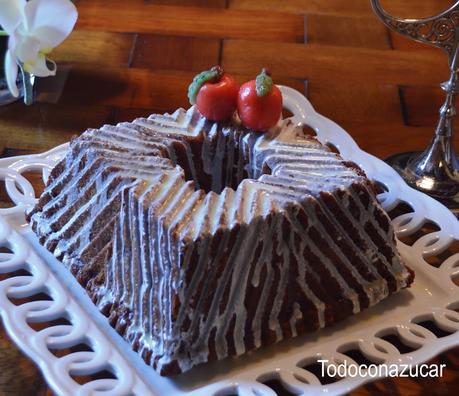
49 316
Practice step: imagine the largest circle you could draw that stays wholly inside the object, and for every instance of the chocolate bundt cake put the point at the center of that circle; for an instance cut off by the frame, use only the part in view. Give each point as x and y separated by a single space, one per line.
204 240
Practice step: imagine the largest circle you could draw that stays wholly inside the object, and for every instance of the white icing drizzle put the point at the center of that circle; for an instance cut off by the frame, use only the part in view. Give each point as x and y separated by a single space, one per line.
183 259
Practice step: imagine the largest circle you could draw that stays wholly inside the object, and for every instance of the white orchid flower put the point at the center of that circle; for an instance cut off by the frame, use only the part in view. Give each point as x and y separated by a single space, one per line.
34 28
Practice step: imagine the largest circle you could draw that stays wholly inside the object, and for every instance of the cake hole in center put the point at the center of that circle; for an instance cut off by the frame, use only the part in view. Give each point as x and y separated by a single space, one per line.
222 159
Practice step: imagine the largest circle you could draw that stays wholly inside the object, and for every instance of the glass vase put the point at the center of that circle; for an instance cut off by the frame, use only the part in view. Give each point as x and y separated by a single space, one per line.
5 95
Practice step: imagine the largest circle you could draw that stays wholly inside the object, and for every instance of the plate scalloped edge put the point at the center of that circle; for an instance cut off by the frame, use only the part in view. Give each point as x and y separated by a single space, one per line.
69 318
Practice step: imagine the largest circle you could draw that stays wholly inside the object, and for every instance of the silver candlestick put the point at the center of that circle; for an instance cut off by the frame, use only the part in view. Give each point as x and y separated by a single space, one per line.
436 170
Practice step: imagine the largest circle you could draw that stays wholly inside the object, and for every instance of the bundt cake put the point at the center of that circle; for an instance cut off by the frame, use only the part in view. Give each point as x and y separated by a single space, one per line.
203 240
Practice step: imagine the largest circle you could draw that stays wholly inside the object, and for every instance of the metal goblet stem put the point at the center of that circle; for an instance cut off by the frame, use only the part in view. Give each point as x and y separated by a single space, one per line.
436 170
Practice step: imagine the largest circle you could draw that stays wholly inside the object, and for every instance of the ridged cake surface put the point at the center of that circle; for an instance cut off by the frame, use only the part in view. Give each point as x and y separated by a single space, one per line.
204 240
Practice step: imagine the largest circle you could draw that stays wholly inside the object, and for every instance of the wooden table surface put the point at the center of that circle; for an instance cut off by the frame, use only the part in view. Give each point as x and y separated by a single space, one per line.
131 58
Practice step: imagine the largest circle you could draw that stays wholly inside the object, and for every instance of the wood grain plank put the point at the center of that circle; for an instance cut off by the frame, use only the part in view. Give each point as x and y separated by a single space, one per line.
415 8
403 8
385 139
158 52
137 88
346 102
29 382
422 105
330 7
346 32
189 3
122 114
194 3
193 21
400 42
43 126
95 48
14 152
331 63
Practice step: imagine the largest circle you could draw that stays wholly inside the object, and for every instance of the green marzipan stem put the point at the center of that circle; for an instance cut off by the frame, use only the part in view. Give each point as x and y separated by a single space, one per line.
263 83
200 79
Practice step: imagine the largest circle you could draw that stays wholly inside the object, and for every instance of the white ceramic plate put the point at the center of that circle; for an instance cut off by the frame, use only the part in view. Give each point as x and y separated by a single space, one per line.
421 321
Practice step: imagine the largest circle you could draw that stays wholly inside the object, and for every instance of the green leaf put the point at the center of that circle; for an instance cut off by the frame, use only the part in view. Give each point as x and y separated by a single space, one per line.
263 83
200 79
